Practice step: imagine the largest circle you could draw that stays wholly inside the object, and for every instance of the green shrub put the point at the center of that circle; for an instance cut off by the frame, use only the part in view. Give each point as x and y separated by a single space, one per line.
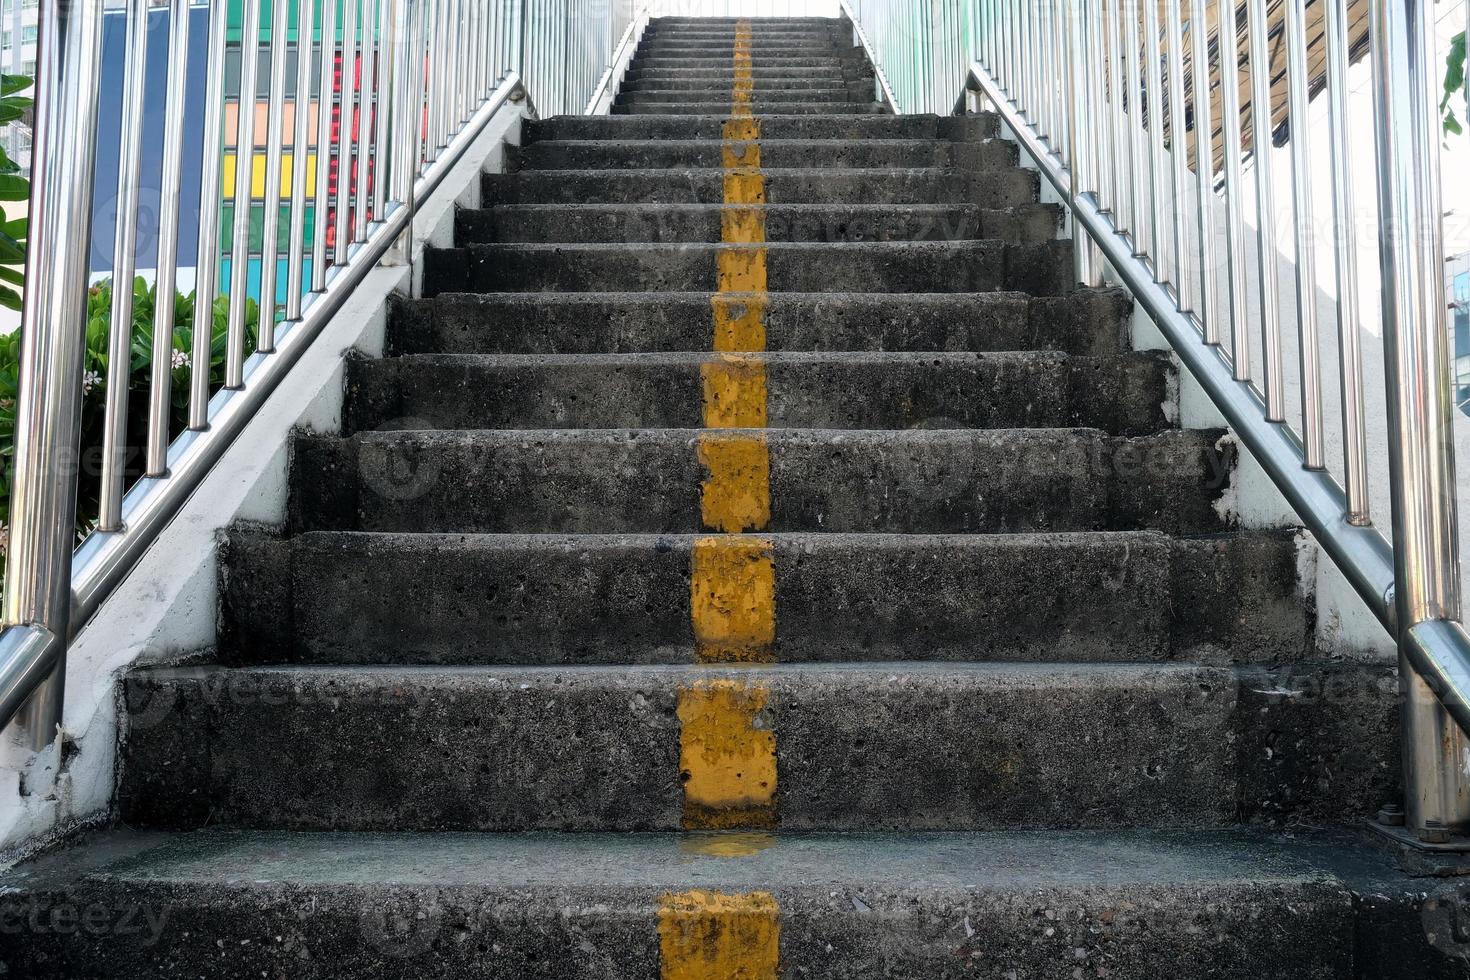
94 387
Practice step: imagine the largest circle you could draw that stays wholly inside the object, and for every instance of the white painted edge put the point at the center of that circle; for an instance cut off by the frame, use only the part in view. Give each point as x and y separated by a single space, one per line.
165 611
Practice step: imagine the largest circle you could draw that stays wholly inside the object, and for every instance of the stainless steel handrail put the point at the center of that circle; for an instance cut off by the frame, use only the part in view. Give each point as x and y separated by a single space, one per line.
413 83
1119 156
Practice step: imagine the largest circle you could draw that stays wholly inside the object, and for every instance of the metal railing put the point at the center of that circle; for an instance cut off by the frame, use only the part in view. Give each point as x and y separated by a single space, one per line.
1161 124
323 123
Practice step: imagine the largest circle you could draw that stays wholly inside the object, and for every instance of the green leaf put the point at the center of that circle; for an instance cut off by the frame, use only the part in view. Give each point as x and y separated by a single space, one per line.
10 84
9 298
16 276
13 188
12 252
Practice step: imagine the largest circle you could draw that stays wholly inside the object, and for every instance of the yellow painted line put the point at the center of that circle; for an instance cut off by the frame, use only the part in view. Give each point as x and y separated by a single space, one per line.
257 175
726 844
737 483
740 322
734 392
705 935
740 93
727 756
741 269
733 599
727 749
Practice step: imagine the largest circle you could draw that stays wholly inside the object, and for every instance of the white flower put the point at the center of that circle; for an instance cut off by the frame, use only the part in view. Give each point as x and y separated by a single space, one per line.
180 359
90 380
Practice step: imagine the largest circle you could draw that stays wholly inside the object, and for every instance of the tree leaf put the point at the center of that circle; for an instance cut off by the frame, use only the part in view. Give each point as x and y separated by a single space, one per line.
13 188
10 84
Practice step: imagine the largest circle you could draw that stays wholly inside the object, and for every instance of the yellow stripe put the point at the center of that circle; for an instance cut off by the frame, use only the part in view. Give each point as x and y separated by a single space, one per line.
727 755
707 935
740 322
257 175
737 484
740 94
727 750
733 599
734 392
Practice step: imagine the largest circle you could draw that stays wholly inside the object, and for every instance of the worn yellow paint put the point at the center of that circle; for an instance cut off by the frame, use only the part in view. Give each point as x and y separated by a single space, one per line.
737 483
705 935
739 321
741 130
744 188
727 844
734 392
741 154
741 269
746 226
732 597
727 756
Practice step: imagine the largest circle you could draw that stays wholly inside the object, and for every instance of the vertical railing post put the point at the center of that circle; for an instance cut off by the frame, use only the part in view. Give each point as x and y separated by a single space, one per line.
1076 27
1416 362
49 400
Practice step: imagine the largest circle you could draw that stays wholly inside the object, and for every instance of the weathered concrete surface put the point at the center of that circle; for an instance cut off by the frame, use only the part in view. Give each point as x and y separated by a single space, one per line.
636 100
797 154
712 126
940 480
911 746
1040 268
1084 322
421 598
1123 394
759 107
668 223
912 185
1142 905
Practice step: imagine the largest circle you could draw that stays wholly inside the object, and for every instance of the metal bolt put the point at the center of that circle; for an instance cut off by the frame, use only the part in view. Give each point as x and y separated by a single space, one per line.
1391 815
1434 832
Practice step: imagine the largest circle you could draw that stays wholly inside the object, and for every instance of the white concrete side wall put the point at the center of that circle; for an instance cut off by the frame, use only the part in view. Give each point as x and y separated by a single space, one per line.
166 609
1345 626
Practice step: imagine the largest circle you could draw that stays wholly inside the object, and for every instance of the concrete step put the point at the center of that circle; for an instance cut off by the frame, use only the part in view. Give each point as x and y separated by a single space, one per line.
761 107
655 81
1088 322
714 47
771 32
589 598
827 746
1141 905
1040 268
650 481
548 223
803 77
799 63
769 95
873 127
987 155
995 189
713 90
1124 394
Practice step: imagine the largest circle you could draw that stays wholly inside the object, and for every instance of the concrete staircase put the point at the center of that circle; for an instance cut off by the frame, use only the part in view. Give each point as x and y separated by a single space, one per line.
752 494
